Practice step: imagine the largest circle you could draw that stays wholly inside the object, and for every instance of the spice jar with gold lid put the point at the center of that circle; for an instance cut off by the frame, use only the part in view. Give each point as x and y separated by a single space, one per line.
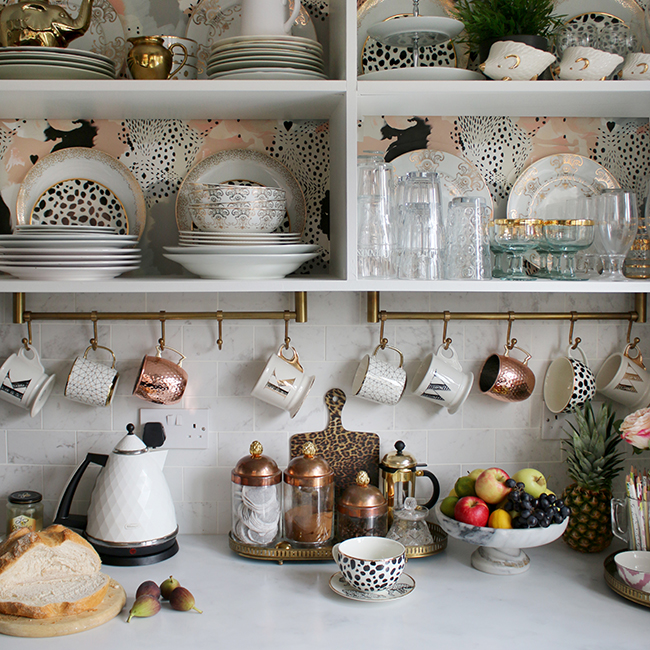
362 510
309 499
256 499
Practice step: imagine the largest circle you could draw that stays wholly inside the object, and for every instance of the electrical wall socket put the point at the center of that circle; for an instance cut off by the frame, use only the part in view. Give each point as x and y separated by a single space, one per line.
184 428
553 425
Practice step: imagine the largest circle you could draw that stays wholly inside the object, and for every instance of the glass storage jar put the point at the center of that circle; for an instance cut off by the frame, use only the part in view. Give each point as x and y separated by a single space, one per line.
256 499
309 499
24 510
362 510
410 525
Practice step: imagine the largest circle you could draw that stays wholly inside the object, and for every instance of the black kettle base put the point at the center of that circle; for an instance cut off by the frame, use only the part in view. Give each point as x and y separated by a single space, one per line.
136 556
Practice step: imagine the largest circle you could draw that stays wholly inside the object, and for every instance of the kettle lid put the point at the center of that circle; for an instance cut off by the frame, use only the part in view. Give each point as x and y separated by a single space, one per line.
396 460
130 444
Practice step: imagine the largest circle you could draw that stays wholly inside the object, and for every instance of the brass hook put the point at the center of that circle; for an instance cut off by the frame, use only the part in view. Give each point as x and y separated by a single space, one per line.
287 318
574 345
383 341
220 323
161 340
27 342
446 341
637 340
94 341
510 343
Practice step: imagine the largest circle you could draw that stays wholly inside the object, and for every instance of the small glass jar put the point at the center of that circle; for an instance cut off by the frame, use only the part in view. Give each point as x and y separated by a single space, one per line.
309 499
410 525
362 511
256 499
24 510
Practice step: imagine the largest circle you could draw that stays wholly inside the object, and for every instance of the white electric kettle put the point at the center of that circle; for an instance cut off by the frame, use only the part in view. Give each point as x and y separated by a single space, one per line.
131 518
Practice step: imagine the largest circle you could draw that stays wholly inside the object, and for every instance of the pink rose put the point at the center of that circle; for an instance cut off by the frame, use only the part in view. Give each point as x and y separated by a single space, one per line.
635 429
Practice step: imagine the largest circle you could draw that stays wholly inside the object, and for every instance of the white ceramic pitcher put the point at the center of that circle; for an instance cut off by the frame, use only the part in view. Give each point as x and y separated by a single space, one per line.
267 17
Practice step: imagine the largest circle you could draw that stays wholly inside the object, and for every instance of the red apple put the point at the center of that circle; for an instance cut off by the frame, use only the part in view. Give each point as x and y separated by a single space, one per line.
490 486
472 510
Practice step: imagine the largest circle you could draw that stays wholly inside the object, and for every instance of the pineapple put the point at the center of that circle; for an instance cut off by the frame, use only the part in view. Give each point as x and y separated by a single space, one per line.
593 462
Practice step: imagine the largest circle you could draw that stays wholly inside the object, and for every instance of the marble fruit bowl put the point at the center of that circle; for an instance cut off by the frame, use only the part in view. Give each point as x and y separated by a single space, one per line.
500 549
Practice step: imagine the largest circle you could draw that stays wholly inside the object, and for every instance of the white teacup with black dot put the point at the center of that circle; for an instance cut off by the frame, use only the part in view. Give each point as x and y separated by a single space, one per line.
370 563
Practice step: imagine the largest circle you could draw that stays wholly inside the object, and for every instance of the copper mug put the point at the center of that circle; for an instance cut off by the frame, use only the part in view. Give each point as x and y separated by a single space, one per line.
505 378
161 381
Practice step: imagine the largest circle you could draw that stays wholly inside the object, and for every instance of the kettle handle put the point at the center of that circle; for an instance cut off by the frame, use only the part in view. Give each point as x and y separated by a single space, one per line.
63 515
436 486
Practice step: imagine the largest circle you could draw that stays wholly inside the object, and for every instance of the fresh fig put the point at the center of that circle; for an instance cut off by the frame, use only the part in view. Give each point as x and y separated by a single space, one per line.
182 600
148 588
143 607
167 586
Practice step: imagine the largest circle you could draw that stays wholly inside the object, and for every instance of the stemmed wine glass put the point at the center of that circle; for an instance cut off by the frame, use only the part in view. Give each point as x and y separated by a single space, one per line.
516 237
567 237
618 221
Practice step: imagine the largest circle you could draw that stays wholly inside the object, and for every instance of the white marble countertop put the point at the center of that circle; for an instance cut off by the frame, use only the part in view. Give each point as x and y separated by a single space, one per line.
562 601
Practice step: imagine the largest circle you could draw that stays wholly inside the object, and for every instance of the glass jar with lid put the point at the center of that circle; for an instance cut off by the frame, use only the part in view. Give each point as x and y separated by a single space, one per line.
256 499
410 525
24 510
309 499
362 510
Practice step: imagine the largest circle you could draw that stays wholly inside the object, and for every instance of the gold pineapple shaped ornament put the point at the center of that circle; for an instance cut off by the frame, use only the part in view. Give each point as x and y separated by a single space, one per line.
593 462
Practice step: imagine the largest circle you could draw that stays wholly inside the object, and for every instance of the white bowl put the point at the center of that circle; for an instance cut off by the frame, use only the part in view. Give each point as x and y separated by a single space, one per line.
499 549
214 218
212 192
634 569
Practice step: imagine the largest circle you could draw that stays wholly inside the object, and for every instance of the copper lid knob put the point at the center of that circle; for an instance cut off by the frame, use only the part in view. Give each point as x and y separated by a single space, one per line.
256 469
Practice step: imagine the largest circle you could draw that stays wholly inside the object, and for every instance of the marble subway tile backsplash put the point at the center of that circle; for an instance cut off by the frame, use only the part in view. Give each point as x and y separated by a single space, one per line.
40 453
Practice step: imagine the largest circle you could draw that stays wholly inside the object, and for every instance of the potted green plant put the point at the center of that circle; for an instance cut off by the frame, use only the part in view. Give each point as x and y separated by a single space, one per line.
487 21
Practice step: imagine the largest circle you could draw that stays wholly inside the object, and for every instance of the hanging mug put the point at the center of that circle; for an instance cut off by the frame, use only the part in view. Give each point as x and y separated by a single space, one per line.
161 381
380 381
569 382
507 379
90 382
624 379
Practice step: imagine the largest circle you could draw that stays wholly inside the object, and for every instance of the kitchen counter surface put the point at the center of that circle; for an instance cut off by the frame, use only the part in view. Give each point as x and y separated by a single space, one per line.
562 601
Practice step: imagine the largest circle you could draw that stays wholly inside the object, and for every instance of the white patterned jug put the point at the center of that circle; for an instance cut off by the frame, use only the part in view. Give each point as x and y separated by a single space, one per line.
268 17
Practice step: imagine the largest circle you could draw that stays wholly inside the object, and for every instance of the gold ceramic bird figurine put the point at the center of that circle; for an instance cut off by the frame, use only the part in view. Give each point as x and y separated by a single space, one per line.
36 22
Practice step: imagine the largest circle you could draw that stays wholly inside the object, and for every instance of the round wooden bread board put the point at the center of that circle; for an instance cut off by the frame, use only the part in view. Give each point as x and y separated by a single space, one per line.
109 608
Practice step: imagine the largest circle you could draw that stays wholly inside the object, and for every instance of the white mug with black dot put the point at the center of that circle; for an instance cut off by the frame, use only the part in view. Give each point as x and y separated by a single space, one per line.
569 382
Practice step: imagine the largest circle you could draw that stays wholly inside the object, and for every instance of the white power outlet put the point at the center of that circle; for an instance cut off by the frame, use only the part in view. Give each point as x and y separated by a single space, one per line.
184 428
553 425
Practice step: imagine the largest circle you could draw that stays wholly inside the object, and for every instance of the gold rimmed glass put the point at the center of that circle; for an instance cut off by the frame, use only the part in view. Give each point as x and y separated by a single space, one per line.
565 237
517 236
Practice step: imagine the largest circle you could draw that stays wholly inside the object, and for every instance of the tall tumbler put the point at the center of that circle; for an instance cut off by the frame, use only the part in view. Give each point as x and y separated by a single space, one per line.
420 239
467 240
375 214
637 262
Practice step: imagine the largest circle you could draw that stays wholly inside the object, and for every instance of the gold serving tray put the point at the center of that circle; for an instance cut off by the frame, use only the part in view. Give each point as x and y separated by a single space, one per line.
614 582
284 551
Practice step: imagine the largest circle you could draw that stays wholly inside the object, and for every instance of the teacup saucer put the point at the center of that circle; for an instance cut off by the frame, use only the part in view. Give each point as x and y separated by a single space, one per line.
403 587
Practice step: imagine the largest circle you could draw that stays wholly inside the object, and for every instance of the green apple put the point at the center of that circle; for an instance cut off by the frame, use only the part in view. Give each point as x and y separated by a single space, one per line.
464 486
447 506
475 473
533 480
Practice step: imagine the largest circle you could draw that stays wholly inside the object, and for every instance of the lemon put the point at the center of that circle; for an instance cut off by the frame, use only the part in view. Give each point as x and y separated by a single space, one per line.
500 518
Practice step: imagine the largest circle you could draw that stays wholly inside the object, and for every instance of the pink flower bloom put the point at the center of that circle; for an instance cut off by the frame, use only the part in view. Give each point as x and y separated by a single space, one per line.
635 429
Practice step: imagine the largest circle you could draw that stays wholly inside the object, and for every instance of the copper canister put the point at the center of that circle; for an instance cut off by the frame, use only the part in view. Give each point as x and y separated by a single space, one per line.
256 499
362 510
309 499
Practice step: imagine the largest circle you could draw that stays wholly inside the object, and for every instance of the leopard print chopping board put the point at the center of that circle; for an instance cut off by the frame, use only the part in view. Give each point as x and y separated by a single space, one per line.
347 452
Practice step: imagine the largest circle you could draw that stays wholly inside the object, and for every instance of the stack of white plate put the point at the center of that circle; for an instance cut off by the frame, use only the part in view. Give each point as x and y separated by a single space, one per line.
233 256
67 253
266 57
53 63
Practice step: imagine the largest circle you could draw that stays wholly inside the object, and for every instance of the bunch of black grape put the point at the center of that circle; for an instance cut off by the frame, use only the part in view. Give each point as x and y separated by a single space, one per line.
533 513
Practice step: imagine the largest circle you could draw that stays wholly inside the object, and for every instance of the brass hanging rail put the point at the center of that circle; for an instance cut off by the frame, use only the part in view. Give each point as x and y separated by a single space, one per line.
22 315
638 315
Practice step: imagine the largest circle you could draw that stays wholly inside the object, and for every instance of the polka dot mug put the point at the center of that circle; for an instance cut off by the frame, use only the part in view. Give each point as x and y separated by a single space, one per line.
569 382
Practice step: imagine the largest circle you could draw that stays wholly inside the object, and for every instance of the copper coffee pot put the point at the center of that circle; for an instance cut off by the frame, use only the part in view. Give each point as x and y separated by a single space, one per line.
397 474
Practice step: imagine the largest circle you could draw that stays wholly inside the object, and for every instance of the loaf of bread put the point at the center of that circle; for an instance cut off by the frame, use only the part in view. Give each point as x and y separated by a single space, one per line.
54 572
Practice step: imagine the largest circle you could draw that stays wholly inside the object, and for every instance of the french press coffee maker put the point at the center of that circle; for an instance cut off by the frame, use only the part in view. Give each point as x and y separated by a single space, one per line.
397 474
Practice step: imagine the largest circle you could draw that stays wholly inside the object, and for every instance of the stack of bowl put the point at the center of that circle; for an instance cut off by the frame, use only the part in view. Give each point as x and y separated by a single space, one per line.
216 207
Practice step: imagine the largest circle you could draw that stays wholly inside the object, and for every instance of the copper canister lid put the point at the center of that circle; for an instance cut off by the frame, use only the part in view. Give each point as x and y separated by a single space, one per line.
308 470
362 499
256 469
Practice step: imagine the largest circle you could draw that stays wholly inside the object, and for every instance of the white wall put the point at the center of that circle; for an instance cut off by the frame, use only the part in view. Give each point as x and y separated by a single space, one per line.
40 453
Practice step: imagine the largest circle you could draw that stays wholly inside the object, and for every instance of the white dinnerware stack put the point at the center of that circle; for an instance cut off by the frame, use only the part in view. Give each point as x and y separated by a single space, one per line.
266 57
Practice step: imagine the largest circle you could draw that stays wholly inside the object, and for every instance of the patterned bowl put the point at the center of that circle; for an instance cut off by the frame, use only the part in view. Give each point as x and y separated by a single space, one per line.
634 569
214 218
217 192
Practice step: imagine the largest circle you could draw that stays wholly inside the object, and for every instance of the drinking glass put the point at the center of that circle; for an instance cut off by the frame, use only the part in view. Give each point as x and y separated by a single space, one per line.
375 213
618 221
517 236
421 233
566 237
500 256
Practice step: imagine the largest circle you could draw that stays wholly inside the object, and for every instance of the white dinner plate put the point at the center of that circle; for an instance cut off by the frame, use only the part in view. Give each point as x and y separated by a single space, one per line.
49 71
266 64
431 30
82 162
263 249
73 264
54 53
215 20
58 250
554 180
241 267
49 259
264 60
243 164
30 228
458 177
33 242
268 73
62 274
428 73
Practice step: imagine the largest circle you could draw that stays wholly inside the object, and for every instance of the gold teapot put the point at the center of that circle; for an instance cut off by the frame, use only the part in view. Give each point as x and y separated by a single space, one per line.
36 22
149 58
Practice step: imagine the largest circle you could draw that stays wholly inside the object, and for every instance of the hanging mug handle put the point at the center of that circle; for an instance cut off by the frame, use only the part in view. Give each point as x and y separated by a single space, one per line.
294 361
577 348
159 351
90 347
390 347
528 356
